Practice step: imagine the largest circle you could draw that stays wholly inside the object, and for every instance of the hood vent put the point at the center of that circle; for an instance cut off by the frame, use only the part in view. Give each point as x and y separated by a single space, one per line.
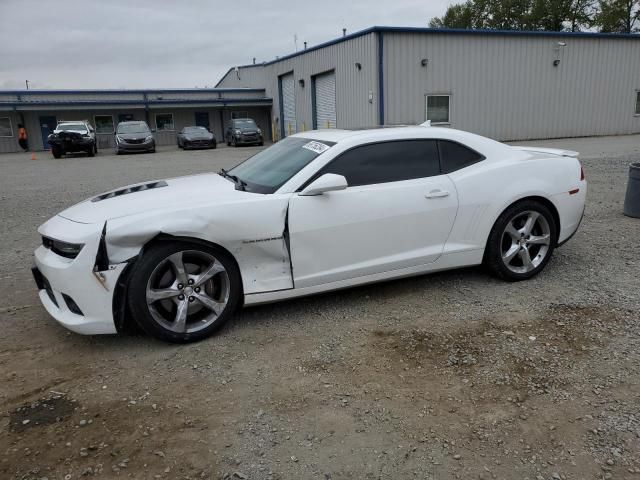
124 191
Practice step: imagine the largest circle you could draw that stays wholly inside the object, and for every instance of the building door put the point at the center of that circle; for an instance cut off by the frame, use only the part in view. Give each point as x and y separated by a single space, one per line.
47 126
202 119
324 100
287 105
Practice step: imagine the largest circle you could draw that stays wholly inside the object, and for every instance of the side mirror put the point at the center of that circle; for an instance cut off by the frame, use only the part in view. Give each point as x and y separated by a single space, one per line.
329 182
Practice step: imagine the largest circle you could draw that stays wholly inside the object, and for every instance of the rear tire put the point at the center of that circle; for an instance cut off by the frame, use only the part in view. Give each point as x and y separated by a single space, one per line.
521 241
183 292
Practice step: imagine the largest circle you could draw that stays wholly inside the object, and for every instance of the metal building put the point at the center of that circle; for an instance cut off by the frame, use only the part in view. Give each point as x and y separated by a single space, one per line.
508 85
166 112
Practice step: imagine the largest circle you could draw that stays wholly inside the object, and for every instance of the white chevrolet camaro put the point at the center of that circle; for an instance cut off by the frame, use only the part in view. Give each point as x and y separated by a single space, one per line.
317 211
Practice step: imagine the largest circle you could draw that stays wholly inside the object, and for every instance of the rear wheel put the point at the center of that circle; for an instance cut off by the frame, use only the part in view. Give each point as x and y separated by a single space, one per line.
183 292
522 241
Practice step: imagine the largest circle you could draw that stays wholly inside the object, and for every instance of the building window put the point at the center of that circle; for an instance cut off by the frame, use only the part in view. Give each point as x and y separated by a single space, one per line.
438 108
6 129
164 121
638 102
104 123
239 115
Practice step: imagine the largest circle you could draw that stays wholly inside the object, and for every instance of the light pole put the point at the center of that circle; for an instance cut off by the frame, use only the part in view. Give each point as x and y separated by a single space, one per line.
26 82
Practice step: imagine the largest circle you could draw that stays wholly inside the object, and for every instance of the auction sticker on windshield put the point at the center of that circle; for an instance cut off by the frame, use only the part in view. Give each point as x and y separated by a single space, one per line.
316 147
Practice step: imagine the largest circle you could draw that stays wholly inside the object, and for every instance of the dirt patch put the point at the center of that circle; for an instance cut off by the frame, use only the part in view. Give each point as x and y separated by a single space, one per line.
44 411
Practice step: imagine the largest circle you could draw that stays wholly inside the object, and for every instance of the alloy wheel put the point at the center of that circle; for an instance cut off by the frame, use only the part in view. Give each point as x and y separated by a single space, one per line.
525 241
188 291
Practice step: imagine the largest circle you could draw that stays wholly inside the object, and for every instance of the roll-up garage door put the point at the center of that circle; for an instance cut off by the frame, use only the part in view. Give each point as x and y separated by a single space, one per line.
325 104
288 107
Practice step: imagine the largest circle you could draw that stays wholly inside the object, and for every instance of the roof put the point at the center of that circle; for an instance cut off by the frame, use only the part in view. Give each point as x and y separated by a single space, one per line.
405 132
442 31
146 98
126 91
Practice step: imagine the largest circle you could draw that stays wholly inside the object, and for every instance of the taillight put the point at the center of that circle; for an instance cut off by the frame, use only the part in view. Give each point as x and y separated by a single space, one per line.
581 173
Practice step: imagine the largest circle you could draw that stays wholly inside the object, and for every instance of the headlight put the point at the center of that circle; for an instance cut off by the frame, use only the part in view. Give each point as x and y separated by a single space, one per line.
64 249
238 132
259 132
86 135
149 138
119 139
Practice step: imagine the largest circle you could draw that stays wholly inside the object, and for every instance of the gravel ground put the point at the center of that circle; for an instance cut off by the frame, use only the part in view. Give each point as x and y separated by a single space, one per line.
450 375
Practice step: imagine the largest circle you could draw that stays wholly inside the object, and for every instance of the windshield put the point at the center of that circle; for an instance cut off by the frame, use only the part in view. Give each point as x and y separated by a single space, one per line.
248 123
268 170
133 128
75 127
194 129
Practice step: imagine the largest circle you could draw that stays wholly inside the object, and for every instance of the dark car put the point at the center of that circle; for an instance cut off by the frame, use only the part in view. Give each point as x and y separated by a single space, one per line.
73 137
196 137
134 137
243 131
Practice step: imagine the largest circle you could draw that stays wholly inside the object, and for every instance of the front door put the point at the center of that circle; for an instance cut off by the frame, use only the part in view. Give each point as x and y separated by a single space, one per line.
397 212
47 126
202 119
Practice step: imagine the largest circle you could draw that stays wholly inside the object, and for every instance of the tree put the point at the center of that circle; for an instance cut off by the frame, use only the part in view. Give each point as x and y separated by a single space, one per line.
618 16
549 15
457 16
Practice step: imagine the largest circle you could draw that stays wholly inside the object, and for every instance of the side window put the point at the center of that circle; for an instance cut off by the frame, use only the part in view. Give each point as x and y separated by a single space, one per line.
387 162
455 156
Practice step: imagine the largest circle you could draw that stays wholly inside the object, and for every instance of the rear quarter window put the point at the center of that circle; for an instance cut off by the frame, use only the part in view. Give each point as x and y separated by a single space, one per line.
454 156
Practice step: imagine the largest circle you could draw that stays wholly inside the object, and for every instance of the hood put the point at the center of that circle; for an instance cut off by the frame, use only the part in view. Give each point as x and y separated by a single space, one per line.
198 136
133 136
173 193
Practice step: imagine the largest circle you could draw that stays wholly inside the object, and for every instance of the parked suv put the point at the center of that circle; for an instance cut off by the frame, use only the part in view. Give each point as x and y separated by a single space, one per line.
73 137
134 137
243 131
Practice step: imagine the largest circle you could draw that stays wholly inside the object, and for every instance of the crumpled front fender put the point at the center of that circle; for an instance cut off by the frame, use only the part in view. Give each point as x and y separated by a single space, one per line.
252 232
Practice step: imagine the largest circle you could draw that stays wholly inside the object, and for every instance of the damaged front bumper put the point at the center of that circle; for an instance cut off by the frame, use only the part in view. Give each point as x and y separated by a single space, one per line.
72 290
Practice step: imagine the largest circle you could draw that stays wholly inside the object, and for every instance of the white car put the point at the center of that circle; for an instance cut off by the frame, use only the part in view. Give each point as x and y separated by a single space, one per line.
317 211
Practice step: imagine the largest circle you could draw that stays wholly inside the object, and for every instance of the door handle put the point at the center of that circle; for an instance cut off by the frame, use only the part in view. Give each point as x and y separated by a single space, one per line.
437 194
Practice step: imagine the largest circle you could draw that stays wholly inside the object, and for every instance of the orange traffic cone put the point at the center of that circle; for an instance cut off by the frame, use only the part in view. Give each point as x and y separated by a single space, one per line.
33 156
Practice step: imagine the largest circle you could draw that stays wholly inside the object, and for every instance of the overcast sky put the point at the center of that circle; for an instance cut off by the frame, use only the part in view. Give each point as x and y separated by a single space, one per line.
174 44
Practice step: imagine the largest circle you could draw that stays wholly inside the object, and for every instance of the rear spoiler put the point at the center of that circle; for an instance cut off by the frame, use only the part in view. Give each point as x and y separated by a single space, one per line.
550 151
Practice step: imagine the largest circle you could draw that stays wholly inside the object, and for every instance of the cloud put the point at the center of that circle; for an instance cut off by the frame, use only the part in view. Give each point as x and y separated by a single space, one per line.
162 43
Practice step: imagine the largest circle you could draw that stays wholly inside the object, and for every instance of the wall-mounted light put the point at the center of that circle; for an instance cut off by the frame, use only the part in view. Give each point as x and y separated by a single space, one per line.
301 82
358 66
424 62
557 49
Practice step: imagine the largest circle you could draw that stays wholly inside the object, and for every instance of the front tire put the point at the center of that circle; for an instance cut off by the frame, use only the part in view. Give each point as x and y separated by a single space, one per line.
521 241
56 152
183 292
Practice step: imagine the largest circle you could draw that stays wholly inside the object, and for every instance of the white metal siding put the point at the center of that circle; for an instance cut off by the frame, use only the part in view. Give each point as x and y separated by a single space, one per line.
288 105
325 96
506 87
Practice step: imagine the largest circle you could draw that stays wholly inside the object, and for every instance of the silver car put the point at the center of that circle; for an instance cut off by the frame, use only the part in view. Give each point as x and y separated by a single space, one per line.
134 137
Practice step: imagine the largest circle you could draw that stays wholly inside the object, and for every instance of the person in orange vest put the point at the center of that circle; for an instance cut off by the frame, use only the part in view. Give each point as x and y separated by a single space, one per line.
22 137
